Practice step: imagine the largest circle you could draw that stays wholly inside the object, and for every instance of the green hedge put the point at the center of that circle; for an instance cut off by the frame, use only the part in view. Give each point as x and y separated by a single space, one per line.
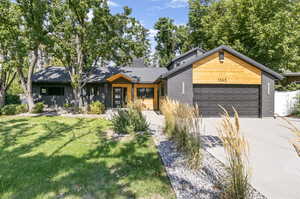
13 109
96 108
38 108
12 99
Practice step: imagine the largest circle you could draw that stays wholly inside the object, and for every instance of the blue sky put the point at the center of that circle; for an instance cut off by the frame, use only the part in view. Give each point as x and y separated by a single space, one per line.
148 11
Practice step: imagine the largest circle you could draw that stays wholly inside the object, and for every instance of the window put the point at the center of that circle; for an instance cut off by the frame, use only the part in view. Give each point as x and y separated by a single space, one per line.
145 92
52 91
221 56
162 91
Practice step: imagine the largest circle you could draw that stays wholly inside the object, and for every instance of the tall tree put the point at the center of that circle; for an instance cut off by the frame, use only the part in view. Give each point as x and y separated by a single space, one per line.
166 40
265 30
86 34
29 32
6 71
171 40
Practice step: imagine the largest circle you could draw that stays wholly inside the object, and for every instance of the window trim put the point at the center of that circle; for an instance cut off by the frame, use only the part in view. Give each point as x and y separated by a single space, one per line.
145 96
61 91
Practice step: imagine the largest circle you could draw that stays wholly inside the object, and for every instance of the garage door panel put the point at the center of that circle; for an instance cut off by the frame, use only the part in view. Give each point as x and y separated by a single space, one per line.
244 98
227 98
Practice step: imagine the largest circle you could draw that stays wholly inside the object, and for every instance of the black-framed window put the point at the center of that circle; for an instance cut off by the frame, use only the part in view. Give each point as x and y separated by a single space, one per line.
145 92
52 91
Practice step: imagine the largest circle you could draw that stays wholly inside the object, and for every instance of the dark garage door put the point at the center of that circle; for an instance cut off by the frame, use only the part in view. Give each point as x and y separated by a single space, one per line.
244 98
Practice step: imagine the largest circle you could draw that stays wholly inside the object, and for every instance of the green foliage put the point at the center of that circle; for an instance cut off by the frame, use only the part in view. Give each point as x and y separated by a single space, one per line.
129 121
13 109
86 35
68 106
96 108
171 39
38 108
288 87
12 99
22 108
9 109
122 122
138 121
267 31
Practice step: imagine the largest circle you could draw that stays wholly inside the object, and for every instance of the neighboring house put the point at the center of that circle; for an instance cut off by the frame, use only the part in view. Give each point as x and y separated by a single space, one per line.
292 77
221 76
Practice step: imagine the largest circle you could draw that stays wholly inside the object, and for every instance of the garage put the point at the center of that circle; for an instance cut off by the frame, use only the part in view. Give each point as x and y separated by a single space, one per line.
244 98
223 76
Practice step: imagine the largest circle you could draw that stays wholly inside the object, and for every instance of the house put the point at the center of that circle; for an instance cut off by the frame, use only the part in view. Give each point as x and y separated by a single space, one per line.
221 76
291 77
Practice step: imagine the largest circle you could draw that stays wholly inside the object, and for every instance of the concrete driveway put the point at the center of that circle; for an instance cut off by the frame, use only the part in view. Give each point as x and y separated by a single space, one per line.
275 166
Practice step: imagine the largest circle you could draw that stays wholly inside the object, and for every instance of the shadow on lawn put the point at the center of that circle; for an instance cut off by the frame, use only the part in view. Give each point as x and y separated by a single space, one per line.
26 174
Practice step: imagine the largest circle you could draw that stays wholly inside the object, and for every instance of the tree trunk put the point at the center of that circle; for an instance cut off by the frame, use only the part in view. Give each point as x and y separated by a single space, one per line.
27 84
77 98
30 101
2 97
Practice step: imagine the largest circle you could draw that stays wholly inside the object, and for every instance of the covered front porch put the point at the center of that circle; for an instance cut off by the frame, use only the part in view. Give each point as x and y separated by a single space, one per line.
126 90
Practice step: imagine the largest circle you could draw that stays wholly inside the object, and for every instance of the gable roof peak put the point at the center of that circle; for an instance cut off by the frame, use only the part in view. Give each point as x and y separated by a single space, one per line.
231 51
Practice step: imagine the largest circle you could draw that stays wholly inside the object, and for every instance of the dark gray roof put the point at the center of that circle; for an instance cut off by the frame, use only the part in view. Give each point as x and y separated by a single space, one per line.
291 74
52 75
188 52
230 50
185 54
138 74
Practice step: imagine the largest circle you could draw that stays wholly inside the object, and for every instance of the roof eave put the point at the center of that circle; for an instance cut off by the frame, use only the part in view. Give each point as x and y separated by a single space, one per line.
230 50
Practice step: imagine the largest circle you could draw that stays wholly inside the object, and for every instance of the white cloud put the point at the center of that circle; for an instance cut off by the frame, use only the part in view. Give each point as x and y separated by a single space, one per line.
152 33
178 3
113 4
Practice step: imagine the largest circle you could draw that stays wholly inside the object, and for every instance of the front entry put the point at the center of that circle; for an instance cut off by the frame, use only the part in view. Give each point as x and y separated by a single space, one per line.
119 97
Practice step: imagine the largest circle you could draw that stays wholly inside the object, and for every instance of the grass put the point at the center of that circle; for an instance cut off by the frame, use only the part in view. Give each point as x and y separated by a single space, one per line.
184 124
56 157
295 142
236 185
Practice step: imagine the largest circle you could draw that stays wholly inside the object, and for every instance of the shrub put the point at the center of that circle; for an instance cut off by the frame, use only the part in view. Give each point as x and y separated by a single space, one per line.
96 108
183 124
236 184
12 99
138 121
10 109
287 87
67 105
38 107
130 120
13 109
22 108
122 122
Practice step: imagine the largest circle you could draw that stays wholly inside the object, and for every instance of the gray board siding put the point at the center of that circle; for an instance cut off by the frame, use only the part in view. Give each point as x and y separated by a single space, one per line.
54 101
176 82
103 94
267 95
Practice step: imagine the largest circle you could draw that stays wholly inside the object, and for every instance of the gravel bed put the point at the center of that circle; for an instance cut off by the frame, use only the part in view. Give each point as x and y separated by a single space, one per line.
203 183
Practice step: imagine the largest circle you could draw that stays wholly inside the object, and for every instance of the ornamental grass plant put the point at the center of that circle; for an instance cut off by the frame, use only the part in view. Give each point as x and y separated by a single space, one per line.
183 125
295 142
236 184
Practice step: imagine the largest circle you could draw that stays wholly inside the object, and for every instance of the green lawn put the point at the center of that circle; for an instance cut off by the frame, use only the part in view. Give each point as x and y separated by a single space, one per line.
57 157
